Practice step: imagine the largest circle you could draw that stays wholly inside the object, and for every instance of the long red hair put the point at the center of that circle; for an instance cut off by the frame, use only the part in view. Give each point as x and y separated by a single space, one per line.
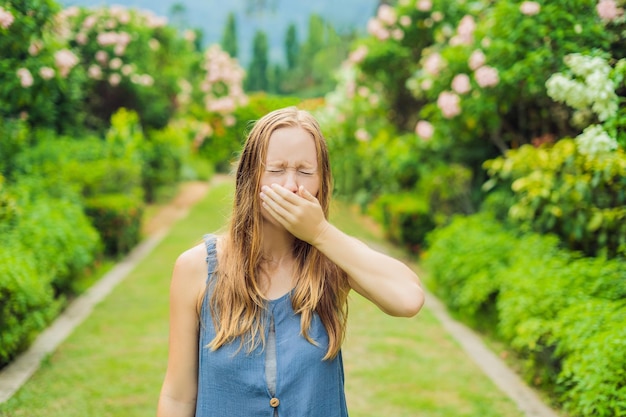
236 301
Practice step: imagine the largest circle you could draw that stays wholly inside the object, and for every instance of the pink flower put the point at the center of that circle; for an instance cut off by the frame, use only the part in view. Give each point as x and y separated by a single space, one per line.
94 72
358 55
448 103
114 79
222 105
6 18
65 60
115 63
405 20
424 5
102 57
433 63
375 28
461 83
608 10
46 73
476 60
35 47
387 14
26 78
89 22
106 38
81 38
466 27
424 129
397 34
362 135
486 76
530 8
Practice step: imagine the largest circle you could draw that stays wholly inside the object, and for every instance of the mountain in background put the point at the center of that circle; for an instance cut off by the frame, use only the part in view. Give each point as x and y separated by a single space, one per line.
210 16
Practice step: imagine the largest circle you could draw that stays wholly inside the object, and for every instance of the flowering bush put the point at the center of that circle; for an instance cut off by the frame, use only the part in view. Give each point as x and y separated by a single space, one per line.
132 59
39 81
590 89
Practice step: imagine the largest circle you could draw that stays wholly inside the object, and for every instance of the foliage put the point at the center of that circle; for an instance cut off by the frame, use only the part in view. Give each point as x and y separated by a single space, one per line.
164 153
118 219
557 189
122 72
39 80
562 313
47 243
405 219
223 142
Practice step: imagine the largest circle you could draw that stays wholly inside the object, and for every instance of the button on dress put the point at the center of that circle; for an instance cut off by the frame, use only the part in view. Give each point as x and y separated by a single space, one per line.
232 382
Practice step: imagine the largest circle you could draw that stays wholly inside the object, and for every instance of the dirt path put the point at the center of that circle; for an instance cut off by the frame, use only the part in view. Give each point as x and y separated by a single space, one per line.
188 195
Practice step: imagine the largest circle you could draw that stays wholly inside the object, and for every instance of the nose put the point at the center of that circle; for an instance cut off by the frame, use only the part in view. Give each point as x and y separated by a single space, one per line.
291 182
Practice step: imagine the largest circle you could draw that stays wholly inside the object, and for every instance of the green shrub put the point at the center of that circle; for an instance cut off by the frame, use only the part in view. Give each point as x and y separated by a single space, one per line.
15 137
447 188
47 243
592 340
559 190
27 302
468 259
561 312
405 218
164 152
118 219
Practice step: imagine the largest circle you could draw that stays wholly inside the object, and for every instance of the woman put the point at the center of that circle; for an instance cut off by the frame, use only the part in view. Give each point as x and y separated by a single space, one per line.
258 314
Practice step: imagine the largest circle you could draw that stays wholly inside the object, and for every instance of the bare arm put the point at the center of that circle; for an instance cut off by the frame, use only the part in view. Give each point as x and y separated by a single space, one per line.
385 281
179 391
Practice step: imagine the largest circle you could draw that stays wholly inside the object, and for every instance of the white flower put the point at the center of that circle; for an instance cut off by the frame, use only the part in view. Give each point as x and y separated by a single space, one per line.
594 141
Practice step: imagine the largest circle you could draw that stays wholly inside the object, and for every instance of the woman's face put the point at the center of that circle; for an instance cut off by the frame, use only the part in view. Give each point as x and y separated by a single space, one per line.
291 160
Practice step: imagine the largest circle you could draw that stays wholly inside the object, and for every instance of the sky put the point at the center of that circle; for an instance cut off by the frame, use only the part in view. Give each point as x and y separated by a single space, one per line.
211 15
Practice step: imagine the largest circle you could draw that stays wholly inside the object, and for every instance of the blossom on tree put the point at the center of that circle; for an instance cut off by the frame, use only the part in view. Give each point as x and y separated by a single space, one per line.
476 60
424 5
424 129
530 8
26 78
461 83
448 103
46 73
6 18
486 76
65 60
608 10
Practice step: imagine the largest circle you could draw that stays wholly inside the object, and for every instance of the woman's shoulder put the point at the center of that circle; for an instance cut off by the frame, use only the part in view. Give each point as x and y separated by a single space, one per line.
191 265
196 256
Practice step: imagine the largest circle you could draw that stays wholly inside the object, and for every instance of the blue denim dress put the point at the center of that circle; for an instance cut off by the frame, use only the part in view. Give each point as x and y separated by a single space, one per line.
232 381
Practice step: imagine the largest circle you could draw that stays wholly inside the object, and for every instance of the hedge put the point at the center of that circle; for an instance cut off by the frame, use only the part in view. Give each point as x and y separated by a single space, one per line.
561 312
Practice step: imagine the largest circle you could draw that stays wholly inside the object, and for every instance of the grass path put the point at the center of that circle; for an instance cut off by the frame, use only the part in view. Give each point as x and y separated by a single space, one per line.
113 363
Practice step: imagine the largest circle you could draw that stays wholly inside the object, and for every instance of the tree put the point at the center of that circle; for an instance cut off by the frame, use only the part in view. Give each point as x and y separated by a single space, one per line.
178 15
292 47
229 37
257 71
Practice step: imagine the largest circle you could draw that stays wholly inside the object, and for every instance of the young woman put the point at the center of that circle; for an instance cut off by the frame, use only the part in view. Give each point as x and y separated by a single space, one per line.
258 314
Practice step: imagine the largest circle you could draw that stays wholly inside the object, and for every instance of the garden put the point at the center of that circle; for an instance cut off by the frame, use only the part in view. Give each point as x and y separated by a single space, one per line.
487 139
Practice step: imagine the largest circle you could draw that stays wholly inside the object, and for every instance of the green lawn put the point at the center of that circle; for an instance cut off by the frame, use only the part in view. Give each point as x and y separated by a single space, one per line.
113 364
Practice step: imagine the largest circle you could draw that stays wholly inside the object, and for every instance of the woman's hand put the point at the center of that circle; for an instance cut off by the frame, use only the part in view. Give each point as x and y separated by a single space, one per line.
300 213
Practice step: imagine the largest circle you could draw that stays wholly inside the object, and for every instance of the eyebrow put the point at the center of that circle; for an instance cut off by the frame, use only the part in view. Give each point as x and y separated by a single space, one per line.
281 163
